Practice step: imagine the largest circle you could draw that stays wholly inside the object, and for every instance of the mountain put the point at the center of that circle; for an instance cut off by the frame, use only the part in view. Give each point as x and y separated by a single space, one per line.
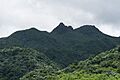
61 29
108 61
104 66
81 43
16 62
32 38
64 45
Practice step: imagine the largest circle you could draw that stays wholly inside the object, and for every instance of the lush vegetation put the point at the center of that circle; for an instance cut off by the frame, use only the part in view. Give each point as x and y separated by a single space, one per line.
83 76
105 66
41 55
64 45
16 62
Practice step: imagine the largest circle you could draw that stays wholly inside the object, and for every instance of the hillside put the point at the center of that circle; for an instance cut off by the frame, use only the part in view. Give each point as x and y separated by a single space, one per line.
38 55
64 45
104 66
16 62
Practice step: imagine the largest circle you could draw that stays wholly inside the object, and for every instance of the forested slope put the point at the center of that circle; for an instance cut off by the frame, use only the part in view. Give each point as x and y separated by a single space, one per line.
16 62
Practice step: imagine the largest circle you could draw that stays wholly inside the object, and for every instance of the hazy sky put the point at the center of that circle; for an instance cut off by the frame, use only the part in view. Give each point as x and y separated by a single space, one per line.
47 14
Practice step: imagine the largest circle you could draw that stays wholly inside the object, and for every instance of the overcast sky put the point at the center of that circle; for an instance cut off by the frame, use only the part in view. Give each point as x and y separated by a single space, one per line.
47 14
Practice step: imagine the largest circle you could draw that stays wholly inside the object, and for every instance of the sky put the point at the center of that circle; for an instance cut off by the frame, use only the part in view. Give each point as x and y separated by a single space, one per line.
45 15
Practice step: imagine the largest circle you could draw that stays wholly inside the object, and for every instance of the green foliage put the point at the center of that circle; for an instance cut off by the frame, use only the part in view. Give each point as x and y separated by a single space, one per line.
16 62
104 66
63 45
43 73
105 59
83 76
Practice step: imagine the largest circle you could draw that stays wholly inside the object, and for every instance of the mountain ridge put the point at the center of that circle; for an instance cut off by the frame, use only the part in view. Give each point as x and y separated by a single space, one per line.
44 52
61 28
64 45
61 24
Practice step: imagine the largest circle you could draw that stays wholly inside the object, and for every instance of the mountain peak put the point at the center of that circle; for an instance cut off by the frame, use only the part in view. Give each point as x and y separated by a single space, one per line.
32 29
88 29
62 28
26 32
61 24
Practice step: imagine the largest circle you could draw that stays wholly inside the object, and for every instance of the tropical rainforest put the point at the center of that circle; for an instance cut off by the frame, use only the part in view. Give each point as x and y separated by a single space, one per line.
84 53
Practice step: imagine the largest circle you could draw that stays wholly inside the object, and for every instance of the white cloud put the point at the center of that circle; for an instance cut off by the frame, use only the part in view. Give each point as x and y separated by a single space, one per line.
46 14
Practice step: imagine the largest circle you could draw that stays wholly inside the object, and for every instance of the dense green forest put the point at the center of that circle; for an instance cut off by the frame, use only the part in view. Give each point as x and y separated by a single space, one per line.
64 45
16 62
27 64
104 66
65 53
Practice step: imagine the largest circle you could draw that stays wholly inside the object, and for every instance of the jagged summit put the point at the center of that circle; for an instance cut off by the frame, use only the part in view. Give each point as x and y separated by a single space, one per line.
62 28
87 29
64 45
61 24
